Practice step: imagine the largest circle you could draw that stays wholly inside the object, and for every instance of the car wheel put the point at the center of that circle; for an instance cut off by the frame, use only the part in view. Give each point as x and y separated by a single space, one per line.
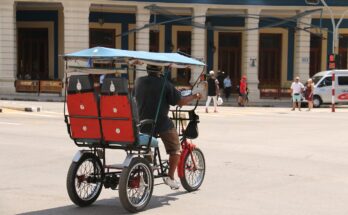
317 101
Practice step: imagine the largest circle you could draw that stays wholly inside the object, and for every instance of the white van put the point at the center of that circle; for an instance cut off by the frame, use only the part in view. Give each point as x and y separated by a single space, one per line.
323 87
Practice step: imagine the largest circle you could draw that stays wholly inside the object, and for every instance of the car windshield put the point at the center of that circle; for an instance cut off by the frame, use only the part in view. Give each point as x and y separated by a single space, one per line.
316 79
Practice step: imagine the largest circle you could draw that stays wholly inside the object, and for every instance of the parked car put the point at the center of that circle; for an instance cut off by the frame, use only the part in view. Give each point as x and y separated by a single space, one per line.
323 87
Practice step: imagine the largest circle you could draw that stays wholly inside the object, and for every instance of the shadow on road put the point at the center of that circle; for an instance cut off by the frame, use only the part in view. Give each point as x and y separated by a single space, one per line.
106 206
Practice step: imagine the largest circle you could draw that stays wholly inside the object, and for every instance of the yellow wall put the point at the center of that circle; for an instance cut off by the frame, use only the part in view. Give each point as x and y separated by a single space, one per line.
131 37
285 42
50 27
175 29
161 29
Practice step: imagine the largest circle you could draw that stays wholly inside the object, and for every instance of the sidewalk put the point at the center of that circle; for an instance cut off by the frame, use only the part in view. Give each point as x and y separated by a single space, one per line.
32 106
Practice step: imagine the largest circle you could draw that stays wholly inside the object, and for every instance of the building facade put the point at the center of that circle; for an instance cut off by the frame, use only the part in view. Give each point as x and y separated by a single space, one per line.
269 41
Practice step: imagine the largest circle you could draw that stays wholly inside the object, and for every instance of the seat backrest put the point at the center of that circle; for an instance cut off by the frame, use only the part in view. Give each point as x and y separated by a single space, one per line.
82 104
116 111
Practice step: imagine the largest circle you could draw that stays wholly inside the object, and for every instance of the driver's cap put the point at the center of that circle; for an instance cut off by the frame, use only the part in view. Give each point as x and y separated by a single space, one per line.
153 68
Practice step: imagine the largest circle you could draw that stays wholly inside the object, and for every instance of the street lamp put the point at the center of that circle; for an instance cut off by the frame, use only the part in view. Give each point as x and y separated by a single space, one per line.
335 28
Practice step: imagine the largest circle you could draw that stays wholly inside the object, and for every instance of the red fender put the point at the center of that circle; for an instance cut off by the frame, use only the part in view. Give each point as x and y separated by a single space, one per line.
187 147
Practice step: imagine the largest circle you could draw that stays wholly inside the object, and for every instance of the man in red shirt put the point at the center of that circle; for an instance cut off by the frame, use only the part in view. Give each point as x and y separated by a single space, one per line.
242 91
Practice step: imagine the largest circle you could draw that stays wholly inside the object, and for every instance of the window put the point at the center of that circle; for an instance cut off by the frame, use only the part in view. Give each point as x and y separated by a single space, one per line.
343 80
316 79
326 82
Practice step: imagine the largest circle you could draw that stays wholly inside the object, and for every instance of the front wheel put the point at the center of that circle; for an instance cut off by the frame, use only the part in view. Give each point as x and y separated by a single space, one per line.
194 170
316 101
84 180
136 185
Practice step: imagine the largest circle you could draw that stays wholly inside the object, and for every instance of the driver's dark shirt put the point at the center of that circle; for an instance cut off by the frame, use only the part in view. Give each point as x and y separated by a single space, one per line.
147 93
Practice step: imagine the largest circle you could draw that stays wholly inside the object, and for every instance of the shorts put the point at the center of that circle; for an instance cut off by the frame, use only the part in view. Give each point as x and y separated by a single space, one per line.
171 142
296 98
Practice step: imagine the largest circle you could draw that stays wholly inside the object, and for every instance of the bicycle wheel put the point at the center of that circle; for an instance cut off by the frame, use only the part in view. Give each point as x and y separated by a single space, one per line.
84 180
193 174
136 185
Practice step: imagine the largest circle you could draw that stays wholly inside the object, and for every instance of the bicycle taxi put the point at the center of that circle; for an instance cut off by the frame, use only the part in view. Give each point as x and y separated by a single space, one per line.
106 118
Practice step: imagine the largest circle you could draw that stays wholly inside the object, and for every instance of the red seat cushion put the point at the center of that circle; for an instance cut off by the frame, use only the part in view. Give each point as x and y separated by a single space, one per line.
120 127
83 113
115 106
82 104
118 131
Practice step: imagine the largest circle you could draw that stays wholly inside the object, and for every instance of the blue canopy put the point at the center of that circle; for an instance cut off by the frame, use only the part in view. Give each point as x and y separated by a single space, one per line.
103 53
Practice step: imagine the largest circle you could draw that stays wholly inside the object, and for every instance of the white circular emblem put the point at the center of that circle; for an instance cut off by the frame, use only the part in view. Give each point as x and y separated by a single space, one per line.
82 107
114 110
118 130
84 128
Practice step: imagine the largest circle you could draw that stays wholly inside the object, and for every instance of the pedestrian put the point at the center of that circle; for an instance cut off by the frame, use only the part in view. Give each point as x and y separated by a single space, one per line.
213 91
227 87
296 92
243 91
309 93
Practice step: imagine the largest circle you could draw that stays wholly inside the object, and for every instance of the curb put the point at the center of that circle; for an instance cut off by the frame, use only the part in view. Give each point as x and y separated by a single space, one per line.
25 109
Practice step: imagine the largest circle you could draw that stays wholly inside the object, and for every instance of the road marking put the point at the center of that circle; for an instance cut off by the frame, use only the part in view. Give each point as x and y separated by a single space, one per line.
9 123
37 114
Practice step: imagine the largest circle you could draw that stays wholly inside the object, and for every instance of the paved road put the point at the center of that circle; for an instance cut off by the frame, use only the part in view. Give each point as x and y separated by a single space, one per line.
264 161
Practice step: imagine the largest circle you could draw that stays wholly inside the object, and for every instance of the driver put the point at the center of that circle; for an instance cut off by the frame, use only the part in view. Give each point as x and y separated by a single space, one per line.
147 92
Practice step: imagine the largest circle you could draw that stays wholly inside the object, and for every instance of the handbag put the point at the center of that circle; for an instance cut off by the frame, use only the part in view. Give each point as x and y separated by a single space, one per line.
220 101
191 131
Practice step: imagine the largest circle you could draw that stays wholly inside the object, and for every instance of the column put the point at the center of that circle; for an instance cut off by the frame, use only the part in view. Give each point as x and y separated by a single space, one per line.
142 36
76 25
302 49
8 52
198 41
251 52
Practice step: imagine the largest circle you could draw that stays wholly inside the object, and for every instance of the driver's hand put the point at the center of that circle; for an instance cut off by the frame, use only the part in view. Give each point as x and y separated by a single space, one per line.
198 96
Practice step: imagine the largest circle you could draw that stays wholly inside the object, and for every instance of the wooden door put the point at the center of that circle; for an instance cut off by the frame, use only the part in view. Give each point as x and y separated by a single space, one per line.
32 54
230 55
270 55
184 47
315 55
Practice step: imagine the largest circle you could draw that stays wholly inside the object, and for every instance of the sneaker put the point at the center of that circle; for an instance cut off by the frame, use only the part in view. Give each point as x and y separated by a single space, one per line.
174 185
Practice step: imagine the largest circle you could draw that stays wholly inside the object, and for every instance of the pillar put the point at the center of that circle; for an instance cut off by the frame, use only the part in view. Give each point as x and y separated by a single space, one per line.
8 45
76 25
251 52
198 41
143 35
302 49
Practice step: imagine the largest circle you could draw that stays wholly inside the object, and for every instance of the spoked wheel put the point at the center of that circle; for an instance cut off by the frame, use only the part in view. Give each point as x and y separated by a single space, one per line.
84 181
136 185
194 170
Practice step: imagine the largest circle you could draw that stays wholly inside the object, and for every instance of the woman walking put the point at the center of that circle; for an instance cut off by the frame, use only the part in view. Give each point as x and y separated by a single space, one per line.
309 93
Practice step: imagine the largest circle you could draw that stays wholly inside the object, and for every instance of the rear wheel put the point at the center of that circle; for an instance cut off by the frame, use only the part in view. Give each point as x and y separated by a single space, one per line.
317 101
84 180
194 170
136 185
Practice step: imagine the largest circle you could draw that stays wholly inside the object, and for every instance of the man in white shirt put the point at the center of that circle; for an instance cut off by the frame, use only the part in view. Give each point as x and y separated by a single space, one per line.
296 92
